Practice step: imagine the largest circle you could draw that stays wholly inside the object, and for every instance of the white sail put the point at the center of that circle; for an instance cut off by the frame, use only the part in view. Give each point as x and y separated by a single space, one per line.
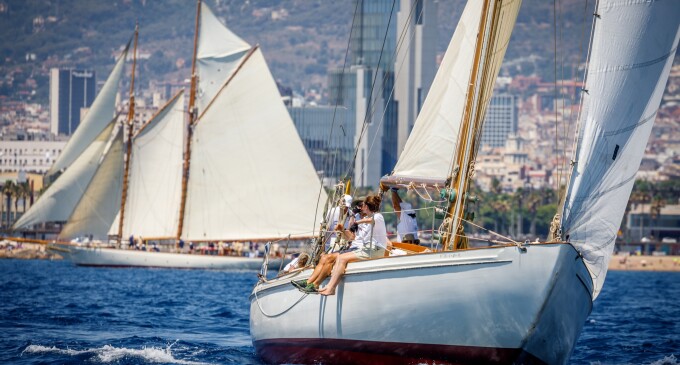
219 51
250 176
96 119
155 175
429 150
634 44
57 203
100 203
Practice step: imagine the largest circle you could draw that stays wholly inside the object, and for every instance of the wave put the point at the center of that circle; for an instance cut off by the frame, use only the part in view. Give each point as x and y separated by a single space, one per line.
108 354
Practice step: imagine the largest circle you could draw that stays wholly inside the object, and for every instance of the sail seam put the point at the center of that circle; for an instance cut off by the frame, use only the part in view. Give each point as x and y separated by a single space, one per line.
637 65
602 193
634 126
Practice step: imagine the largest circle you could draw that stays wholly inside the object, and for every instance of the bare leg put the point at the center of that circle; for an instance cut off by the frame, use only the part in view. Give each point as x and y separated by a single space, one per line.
338 272
325 270
320 268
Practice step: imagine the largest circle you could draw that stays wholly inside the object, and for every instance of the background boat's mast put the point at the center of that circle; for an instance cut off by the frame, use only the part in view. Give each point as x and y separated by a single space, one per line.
192 119
129 124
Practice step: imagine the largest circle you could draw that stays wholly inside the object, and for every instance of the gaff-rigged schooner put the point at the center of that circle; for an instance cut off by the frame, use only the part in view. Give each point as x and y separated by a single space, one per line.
241 151
517 303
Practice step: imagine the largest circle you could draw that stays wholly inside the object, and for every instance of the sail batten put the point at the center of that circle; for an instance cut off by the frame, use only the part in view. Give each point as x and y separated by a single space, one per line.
633 48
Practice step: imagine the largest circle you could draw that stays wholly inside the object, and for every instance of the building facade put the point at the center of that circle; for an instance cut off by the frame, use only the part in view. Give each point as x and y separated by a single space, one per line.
29 156
71 93
325 133
500 120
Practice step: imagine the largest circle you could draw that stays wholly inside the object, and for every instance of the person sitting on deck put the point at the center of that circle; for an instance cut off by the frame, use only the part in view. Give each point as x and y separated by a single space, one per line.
370 242
325 265
407 226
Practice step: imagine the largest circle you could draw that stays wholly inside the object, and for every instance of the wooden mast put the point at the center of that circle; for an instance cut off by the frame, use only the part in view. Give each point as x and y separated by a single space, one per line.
129 124
464 155
193 113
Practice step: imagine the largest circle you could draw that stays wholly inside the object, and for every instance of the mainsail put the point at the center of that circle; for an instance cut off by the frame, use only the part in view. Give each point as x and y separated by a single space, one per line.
99 204
429 152
250 176
634 43
155 175
56 204
100 113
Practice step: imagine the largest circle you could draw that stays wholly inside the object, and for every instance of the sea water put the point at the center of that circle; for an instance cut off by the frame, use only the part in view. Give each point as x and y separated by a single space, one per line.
54 312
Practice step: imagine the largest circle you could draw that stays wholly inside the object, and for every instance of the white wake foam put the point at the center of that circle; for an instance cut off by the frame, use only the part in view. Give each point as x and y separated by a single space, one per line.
108 353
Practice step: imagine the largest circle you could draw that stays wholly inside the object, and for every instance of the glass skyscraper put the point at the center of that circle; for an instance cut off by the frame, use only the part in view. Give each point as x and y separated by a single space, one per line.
70 91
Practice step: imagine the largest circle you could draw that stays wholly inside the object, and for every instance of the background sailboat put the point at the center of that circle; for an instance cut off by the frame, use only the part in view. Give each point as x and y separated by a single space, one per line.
241 151
515 303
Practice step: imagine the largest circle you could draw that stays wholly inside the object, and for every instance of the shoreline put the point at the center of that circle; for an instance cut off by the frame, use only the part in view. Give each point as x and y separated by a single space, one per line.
644 263
621 262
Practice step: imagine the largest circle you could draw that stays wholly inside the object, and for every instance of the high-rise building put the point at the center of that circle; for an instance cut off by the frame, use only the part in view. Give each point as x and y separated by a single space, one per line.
392 66
330 149
500 120
71 91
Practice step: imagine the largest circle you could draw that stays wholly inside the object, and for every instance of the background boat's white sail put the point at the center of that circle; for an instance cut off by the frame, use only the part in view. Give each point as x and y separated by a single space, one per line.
56 204
429 151
219 51
155 176
634 44
100 203
250 175
96 119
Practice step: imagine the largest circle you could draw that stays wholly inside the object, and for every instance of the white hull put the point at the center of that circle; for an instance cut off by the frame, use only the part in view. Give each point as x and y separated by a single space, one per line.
111 257
491 305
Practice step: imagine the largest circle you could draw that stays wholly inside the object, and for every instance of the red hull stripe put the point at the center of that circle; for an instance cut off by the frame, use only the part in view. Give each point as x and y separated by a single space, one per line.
338 351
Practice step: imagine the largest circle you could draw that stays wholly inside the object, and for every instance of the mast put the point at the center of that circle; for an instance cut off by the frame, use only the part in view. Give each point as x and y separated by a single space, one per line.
463 163
128 150
193 113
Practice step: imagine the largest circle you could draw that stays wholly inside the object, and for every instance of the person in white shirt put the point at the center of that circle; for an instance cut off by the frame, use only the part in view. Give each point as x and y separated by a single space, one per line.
407 225
369 242
337 213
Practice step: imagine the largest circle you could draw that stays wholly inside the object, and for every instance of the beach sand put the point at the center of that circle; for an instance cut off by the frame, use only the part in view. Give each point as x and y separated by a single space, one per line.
645 263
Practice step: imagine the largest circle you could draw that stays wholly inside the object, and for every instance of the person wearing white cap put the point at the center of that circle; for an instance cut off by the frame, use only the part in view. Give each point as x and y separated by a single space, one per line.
333 217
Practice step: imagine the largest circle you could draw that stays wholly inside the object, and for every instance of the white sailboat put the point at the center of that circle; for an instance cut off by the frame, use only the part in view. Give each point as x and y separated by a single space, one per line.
516 303
241 149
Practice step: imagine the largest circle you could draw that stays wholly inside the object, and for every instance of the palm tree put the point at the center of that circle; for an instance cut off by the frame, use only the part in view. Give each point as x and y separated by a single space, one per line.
9 190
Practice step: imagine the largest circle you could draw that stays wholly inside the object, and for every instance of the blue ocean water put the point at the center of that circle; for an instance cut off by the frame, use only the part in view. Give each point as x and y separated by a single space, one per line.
54 312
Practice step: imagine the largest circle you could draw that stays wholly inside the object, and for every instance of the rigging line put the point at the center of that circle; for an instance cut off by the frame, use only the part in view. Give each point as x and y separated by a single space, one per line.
577 128
401 65
556 148
375 78
335 109
573 94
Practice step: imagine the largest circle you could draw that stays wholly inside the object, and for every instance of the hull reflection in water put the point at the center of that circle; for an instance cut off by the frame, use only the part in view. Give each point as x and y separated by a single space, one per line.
492 305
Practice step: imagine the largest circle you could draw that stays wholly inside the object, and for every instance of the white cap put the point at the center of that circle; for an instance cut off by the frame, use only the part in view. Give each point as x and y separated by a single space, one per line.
347 200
